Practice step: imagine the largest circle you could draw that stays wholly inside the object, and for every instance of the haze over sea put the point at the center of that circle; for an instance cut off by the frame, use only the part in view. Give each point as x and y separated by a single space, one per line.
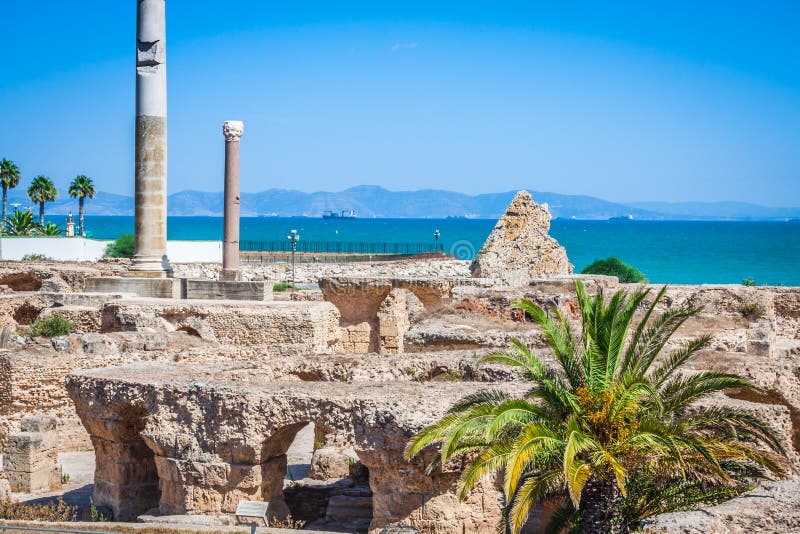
677 252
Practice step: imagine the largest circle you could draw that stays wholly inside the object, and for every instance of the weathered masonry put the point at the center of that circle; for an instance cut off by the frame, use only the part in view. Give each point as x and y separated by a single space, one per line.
197 439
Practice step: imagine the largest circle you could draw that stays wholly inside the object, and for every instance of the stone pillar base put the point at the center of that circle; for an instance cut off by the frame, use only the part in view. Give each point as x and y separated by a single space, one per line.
230 275
149 268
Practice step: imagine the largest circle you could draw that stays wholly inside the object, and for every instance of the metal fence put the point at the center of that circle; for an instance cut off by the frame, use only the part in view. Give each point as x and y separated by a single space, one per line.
342 247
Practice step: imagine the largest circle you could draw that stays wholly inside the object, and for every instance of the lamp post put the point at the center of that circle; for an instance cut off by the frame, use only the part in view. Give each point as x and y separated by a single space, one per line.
293 238
436 235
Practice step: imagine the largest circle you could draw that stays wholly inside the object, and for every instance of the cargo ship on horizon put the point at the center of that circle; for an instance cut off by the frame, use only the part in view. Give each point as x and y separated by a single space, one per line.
344 214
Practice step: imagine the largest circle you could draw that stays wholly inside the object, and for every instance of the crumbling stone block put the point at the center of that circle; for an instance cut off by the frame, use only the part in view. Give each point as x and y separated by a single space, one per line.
31 460
760 339
331 463
520 249
55 284
393 321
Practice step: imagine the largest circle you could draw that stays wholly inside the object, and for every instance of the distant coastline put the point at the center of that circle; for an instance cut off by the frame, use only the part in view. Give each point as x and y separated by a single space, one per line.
377 202
666 251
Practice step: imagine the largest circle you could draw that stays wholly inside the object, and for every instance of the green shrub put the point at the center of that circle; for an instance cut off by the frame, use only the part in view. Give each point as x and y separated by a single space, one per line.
627 274
283 286
35 257
752 310
52 325
122 247
749 281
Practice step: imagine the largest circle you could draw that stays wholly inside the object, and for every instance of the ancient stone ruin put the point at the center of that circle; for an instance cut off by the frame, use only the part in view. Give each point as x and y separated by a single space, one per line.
191 393
189 406
519 249
202 438
31 459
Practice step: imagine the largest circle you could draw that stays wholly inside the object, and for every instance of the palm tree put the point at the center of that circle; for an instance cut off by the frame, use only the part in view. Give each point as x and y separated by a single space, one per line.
50 229
81 188
607 430
41 190
9 178
20 223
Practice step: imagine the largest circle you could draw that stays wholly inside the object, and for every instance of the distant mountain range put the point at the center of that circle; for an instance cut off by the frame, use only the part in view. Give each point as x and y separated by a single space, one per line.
374 201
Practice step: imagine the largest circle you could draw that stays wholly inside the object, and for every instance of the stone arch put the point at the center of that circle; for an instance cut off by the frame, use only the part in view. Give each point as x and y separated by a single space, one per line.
126 477
273 467
340 500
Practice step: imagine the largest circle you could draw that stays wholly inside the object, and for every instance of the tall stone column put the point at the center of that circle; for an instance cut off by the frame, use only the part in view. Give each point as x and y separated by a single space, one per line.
150 252
232 130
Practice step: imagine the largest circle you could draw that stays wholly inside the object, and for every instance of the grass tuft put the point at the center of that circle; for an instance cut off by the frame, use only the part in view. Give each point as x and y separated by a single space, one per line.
282 286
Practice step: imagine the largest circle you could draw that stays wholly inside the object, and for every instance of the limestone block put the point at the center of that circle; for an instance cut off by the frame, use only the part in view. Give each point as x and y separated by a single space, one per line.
329 463
39 423
35 482
55 284
228 290
99 344
9 340
32 456
760 339
344 508
61 344
143 287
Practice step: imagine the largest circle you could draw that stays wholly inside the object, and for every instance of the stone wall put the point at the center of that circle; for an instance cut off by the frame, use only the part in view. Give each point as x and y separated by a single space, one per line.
29 275
32 376
311 273
276 327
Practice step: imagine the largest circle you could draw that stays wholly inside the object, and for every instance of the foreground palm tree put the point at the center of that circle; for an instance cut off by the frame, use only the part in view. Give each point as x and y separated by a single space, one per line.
608 430
81 188
41 190
9 178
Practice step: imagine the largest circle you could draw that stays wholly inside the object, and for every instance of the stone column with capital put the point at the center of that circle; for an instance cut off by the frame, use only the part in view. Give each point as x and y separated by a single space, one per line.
232 130
150 249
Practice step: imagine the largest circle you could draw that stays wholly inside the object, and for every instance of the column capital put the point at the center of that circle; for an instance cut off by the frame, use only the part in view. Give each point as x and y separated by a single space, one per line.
232 130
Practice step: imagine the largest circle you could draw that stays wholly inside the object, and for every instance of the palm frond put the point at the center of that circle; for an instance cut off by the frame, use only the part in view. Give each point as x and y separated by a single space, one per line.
678 357
558 336
491 460
682 390
535 445
534 489
631 352
656 335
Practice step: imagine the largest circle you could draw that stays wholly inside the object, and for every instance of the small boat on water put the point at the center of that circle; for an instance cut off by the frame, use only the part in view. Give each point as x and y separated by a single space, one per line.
344 214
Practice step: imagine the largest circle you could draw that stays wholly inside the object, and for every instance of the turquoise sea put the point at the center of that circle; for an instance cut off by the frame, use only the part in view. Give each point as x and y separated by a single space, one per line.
666 251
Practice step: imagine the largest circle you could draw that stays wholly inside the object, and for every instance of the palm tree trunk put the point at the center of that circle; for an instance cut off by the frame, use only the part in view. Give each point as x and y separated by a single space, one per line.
41 213
5 208
80 216
600 508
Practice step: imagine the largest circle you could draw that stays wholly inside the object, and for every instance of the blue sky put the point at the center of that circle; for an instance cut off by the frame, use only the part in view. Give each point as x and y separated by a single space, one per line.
622 100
